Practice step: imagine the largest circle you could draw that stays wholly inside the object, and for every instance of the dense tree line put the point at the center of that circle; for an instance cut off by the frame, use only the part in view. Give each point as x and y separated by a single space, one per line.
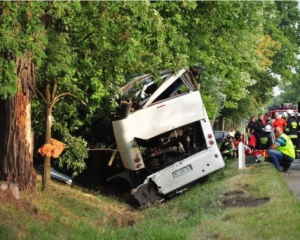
64 60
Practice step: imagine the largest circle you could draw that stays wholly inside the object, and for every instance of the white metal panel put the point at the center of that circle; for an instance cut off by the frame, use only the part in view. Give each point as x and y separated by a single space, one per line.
124 135
202 164
167 115
157 118
154 120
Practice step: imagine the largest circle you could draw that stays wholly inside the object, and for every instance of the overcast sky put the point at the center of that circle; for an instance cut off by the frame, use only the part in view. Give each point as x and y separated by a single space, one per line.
277 91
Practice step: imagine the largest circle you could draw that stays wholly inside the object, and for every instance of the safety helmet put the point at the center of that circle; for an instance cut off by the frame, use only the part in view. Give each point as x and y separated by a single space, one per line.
291 112
230 134
284 115
268 128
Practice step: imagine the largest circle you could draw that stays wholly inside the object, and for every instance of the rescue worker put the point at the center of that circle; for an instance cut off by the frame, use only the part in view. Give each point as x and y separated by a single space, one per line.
279 122
281 152
284 116
250 127
265 140
227 146
271 124
298 135
269 120
252 142
237 140
259 126
291 127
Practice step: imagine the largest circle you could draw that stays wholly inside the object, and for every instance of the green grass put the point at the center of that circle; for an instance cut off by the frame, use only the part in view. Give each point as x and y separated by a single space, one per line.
199 213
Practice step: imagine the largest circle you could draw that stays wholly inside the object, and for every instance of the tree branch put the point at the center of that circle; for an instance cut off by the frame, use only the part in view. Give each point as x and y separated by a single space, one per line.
87 36
54 90
41 95
55 100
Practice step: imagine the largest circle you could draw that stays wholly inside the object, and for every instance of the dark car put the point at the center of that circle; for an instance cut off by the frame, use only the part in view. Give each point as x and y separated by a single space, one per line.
220 135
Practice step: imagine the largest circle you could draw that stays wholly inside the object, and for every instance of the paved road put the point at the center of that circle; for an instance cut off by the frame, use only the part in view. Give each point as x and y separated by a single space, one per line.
292 176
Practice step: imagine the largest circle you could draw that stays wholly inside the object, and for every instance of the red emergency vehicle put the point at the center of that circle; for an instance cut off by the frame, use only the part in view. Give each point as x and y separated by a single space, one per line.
283 108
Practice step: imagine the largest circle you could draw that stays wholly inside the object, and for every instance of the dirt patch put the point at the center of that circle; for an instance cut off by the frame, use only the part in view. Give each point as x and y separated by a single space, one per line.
7 198
233 193
245 202
238 200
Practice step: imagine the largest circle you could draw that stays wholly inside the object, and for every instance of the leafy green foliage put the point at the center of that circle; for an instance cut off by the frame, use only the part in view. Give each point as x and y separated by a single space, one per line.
8 83
21 31
85 51
285 61
75 152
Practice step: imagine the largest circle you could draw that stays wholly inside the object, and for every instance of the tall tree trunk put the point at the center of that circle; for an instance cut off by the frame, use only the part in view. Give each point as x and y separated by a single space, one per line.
46 180
16 137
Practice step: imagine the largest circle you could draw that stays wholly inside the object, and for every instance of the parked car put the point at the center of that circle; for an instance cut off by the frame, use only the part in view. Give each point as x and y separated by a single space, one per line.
220 135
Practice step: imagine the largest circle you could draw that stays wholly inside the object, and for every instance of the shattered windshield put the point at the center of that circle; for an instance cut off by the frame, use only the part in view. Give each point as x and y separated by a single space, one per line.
138 89
141 88
144 90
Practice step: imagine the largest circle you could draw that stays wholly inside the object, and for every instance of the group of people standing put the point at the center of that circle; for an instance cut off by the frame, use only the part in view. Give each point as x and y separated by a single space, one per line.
277 136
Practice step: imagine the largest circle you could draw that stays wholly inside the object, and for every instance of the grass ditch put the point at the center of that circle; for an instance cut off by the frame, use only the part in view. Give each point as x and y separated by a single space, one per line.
231 204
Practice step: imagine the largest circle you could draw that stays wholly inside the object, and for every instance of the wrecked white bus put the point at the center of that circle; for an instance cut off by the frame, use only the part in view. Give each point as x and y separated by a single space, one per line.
164 136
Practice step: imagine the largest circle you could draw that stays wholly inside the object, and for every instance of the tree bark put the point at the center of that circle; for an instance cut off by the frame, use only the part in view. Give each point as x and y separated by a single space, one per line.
16 141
